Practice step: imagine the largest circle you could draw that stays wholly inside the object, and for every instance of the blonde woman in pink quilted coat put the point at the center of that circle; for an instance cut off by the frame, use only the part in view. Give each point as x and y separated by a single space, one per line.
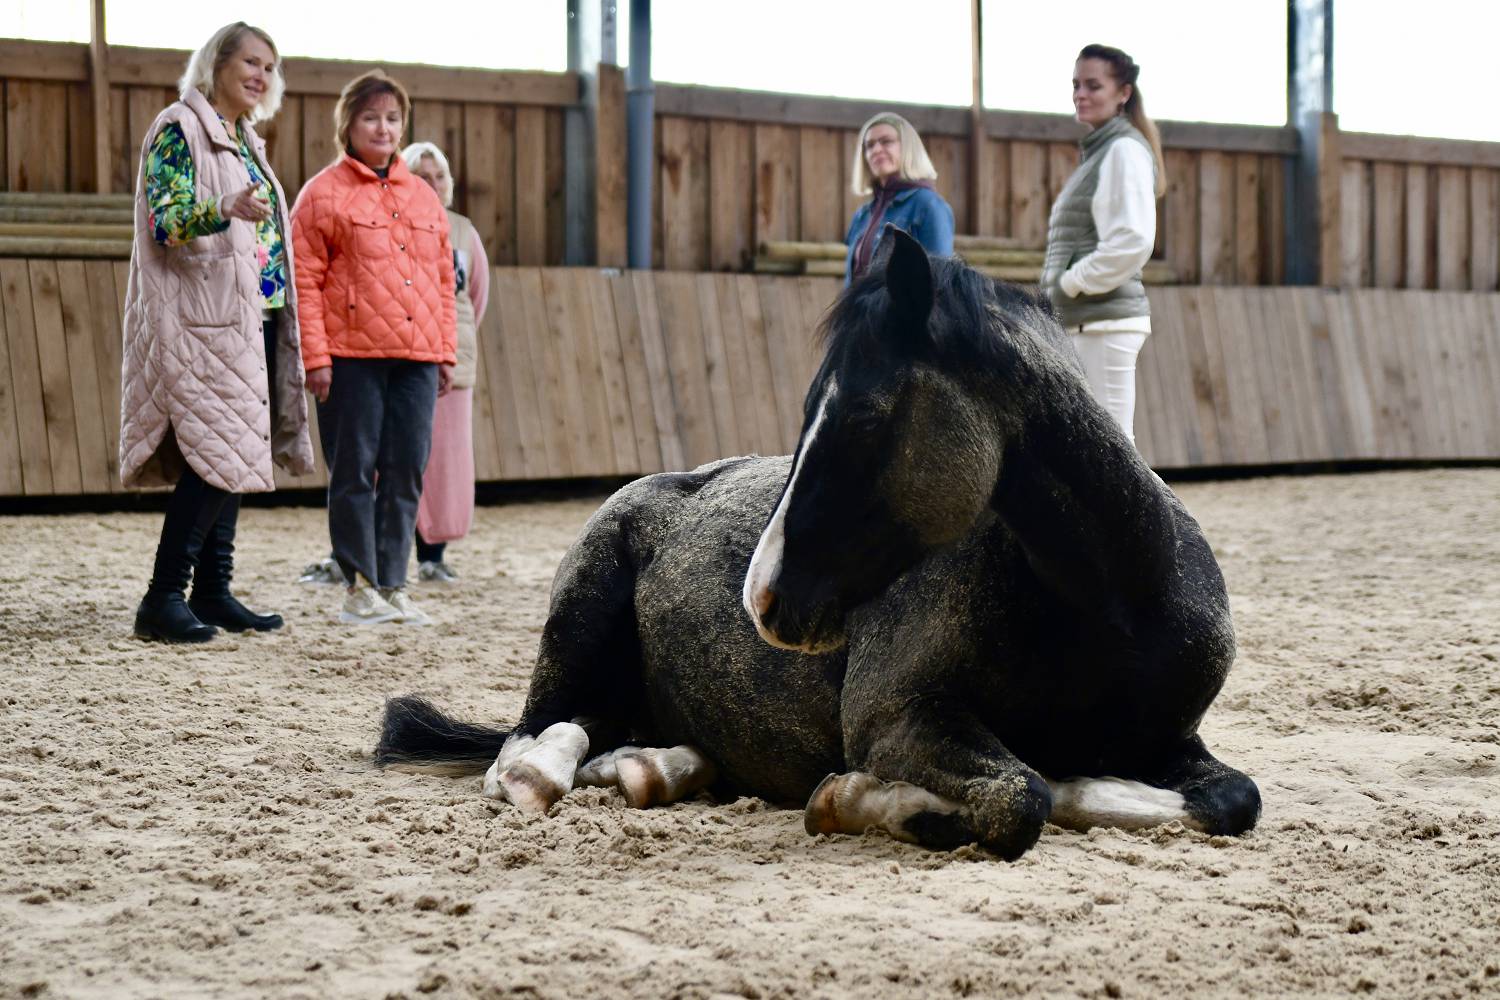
375 288
211 375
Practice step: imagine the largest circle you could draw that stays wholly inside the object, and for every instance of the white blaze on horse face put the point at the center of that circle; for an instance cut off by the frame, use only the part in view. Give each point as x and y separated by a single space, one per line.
764 565
534 772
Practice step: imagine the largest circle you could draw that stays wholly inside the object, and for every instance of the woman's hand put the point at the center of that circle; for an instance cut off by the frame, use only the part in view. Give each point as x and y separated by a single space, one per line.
246 204
445 379
319 381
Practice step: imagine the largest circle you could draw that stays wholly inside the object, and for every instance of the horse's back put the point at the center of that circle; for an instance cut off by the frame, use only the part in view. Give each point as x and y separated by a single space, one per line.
768 718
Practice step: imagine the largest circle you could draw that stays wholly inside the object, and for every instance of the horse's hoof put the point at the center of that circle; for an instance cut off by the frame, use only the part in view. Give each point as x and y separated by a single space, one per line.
828 806
528 788
640 781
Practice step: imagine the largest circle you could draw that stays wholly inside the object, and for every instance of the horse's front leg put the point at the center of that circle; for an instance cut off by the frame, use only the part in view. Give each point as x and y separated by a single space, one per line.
930 772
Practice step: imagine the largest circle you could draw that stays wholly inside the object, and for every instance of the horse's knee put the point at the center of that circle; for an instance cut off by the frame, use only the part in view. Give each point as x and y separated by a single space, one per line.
1228 806
1007 813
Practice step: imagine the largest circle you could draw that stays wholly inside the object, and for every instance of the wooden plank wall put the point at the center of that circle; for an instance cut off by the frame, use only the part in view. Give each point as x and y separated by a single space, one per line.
506 155
587 373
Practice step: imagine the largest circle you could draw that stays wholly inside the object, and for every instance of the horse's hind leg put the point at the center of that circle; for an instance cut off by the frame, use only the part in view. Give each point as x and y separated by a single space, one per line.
587 683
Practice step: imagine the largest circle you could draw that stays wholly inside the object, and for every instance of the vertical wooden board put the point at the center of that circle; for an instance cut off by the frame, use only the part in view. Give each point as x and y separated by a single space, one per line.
564 318
142 105
1028 193
1062 160
764 407
745 438
639 401
677 305
1266 361
319 145
611 374
486 446
995 187
125 159
589 322
1418 242
77 343
1453 228
80 155
1489 350
777 174
1389 333
531 186
557 184
820 196
1182 214
494 402
546 373
1365 357
1353 383
11 480
284 147
1453 381
1294 370
1306 307
478 169
1407 315
36 156
502 249
665 404
611 156
4 156
1388 195
726 418
1247 218
1354 222
1273 171
852 201
657 253
782 314
515 376
1239 344
1483 236
57 391
1176 443
730 196
1213 429
950 157
817 296
1216 208
684 193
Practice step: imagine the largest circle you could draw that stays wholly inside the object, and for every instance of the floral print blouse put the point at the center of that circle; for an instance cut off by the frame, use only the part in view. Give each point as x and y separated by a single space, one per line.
177 217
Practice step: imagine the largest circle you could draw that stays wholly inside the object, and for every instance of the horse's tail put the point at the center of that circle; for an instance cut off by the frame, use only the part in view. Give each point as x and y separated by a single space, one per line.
415 736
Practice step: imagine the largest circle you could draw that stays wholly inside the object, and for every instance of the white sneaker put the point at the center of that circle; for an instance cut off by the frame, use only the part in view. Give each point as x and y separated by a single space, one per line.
323 571
436 572
365 606
405 607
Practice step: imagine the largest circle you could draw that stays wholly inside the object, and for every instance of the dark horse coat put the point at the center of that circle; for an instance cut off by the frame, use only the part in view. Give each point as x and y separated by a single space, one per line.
971 580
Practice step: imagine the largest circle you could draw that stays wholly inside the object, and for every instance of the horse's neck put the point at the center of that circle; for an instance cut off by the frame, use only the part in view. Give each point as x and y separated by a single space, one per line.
1094 521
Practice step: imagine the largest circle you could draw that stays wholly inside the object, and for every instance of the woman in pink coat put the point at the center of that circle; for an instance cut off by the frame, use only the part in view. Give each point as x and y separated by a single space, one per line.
211 372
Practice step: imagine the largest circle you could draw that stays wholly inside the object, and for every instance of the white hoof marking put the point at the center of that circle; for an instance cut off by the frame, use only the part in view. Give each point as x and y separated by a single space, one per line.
854 802
1081 803
600 772
652 777
533 773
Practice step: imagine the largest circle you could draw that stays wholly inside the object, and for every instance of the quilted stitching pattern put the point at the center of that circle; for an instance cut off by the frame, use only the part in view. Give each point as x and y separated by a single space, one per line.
374 267
193 356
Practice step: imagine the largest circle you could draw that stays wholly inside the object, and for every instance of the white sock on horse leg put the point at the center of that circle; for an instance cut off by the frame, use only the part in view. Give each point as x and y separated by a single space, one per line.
600 772
854 802
1081 803
653 777
535 773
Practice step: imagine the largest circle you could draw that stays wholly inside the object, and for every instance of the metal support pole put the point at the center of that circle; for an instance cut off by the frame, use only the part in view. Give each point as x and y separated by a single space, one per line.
640 101
1309 97
977 140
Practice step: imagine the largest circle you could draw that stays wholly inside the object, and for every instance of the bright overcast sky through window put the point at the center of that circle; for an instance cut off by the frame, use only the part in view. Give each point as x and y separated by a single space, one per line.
1394 71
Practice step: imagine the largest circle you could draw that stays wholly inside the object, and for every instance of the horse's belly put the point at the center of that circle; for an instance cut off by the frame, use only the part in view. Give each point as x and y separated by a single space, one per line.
768 718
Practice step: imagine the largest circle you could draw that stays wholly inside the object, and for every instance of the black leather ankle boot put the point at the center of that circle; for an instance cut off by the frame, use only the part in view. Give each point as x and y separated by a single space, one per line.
166 616
211 601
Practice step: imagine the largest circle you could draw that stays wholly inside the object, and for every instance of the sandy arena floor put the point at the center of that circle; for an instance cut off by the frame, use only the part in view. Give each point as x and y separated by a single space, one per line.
205 822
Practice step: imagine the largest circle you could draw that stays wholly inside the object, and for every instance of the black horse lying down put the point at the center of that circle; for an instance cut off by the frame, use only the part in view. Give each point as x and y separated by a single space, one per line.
972 607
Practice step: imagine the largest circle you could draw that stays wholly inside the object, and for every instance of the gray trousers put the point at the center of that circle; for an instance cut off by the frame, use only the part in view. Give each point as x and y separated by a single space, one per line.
378 420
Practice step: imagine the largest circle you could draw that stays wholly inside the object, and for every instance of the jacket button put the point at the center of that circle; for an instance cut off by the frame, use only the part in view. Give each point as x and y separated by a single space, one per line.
395 215
408 281
401 246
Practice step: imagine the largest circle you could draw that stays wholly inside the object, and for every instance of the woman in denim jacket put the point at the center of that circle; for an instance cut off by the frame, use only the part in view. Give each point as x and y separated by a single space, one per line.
891 162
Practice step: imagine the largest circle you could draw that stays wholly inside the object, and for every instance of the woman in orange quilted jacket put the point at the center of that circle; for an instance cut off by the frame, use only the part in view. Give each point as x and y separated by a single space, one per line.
375 288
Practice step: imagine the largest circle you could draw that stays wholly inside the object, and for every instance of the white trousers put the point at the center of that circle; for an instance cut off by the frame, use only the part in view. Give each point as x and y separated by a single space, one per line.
1109 364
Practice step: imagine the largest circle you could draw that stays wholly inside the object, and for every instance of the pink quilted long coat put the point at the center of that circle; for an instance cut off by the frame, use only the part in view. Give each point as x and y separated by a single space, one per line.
193 369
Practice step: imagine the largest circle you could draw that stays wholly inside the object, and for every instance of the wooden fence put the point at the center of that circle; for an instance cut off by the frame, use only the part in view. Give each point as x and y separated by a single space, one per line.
595 373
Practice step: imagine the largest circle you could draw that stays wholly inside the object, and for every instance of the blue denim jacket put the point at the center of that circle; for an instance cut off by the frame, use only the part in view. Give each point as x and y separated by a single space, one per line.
921 212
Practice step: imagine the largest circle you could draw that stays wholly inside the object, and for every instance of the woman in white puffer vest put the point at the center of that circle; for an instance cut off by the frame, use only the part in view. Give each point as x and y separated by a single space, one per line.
211 372
1103 227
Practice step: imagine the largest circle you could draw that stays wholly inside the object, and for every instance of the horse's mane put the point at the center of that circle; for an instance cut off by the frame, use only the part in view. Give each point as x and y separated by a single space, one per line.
974 318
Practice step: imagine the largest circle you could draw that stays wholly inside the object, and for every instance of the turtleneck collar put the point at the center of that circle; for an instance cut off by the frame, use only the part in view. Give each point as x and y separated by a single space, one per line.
1100 137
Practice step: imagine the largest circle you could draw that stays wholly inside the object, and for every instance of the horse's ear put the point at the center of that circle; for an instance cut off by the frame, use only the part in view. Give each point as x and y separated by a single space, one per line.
908 276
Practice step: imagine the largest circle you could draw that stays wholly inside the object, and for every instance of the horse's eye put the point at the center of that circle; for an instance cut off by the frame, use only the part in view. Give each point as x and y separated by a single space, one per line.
864 421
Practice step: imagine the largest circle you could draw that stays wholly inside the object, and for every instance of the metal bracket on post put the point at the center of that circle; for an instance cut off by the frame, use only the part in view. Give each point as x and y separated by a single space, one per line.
1311 214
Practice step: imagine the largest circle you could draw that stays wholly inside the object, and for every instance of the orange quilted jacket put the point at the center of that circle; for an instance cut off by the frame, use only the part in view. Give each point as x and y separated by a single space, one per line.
374 267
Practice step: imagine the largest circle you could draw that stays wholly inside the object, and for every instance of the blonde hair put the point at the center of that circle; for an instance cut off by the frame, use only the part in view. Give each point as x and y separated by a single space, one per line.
1126 71
915 163
204 65
359 92
413 156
